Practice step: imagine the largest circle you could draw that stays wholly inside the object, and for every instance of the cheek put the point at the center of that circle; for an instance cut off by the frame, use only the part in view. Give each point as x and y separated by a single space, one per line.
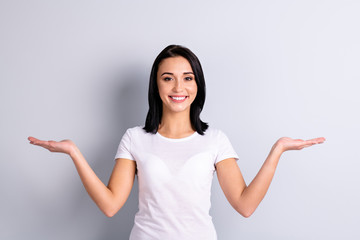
163 92
193 89
160 88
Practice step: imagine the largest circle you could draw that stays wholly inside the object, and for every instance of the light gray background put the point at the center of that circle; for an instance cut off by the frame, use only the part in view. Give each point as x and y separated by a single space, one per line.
79 70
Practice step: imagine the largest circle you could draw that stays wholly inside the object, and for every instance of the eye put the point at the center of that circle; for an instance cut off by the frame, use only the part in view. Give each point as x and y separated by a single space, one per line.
166 78
188 78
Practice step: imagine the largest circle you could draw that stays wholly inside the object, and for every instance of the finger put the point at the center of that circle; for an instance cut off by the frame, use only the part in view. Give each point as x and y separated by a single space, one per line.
307 145
32 139
310 143
316 140
319 139
40 143
35 140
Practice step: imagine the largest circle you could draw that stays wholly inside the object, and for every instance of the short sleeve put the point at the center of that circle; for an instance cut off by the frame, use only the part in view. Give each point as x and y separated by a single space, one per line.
224 148
124 149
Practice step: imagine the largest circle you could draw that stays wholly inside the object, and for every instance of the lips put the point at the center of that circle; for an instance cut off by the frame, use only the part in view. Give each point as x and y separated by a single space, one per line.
178 99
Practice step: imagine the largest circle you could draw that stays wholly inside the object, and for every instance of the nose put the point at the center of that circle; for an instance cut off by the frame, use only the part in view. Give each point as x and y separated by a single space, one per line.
178 85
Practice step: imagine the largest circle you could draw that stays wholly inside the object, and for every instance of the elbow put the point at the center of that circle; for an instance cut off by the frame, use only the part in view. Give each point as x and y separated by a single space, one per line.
110 212
245 212
111 208
245 208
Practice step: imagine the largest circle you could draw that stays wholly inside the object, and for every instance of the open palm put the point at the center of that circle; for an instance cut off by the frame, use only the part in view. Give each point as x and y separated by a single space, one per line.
64 146
297 144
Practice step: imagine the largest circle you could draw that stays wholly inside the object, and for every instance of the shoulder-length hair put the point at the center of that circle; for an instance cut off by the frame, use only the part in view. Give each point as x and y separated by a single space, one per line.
153 118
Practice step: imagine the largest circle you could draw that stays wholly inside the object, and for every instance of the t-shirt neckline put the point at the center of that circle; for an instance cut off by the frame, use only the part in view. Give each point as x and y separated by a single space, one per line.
178 139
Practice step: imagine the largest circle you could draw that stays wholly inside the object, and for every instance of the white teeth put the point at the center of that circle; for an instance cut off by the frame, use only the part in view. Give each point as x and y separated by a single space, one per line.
178 98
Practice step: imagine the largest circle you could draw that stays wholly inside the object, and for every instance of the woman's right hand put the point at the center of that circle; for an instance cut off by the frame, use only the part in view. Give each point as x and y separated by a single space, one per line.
64 146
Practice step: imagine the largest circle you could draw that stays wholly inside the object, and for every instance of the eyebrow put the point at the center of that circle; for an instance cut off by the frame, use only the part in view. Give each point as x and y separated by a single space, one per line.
173 74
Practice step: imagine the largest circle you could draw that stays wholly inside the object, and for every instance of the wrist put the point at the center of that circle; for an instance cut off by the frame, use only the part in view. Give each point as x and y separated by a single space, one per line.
274 156
73 151
278 148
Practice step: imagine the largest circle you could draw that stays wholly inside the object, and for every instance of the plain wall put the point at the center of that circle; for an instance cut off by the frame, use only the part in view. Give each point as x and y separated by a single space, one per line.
79 70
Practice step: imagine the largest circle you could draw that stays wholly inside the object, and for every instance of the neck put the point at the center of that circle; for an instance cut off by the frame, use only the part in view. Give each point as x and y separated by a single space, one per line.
176 125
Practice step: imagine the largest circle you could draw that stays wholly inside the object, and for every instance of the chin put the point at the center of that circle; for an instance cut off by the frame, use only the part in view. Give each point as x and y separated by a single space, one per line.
179 109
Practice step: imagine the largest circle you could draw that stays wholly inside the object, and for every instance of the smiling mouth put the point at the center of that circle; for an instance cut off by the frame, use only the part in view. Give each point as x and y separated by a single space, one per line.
178 98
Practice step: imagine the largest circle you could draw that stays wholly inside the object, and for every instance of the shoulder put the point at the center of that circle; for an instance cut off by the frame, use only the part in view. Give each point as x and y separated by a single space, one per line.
137 131
213 132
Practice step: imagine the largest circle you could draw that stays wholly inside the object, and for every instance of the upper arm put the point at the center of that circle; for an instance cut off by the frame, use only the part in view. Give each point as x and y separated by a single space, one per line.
231 180
122 180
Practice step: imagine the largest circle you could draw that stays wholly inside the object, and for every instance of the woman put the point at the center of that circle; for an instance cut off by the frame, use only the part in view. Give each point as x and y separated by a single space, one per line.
175 155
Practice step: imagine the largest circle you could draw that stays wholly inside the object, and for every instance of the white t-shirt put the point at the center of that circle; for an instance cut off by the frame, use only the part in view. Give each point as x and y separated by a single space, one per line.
174 177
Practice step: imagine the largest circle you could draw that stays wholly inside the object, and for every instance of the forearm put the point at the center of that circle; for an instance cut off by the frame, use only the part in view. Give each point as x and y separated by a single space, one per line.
109 199
96 189
254 193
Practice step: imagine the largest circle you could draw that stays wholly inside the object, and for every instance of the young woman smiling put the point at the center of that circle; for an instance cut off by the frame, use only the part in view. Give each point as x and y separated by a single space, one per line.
175 156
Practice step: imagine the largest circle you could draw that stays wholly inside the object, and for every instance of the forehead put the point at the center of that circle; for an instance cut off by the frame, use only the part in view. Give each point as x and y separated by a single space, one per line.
174 64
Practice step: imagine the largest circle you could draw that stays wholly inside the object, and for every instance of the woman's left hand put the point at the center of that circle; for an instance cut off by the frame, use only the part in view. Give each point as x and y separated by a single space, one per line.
285 143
